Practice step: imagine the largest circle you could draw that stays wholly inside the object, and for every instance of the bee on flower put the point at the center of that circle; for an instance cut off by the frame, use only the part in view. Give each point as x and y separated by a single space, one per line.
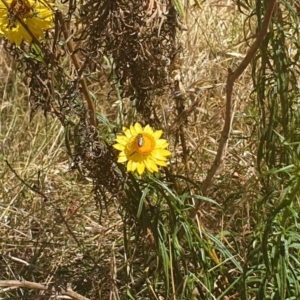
142 148
36 15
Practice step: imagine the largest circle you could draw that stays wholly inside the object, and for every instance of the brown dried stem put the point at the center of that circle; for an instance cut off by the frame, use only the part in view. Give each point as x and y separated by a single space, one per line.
84 87
37 286
232 77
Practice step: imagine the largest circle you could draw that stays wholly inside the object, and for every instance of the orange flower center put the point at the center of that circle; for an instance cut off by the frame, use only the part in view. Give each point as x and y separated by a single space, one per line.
143 143
20 8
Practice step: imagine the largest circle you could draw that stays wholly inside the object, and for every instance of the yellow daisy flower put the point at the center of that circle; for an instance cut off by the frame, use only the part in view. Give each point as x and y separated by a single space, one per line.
142 148
37 15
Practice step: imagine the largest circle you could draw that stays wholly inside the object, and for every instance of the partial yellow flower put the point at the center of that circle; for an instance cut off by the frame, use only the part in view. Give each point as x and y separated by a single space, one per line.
37 15
142 148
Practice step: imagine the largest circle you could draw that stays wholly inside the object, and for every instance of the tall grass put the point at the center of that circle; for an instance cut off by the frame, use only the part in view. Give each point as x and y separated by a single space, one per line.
273 254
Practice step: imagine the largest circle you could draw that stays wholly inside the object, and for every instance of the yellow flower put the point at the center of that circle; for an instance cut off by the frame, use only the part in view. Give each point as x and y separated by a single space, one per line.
37 15
142 148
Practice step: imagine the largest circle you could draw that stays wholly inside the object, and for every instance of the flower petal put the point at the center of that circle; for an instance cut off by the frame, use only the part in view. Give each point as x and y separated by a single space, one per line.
148 165
161 154
127 132
161 163
153 165
121 139
129 166
122 158
140 168
138 127
119 147
149 129
133 131
161 143
157 134
133 165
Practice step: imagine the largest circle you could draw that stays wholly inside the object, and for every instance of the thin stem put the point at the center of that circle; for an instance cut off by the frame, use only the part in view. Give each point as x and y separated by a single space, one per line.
231 78
84 87
37 286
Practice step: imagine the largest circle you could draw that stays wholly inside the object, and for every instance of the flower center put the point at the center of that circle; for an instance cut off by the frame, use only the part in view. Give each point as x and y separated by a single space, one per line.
20 8
143 143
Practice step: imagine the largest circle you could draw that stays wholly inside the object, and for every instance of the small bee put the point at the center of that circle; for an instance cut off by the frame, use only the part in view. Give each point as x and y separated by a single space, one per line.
140 140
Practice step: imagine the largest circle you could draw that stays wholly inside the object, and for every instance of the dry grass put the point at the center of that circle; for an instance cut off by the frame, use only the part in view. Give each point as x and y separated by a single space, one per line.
50 236
59 239
214 42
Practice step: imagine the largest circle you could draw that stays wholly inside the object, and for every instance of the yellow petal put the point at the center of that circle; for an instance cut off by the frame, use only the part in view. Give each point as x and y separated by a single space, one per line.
138 127
163 152
140 168
153 165
133 165
160 154
122 158
149 129
157 134
121 139
129 166
161 143
133 131
127 132
161 163
122 154
119 147
148 165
